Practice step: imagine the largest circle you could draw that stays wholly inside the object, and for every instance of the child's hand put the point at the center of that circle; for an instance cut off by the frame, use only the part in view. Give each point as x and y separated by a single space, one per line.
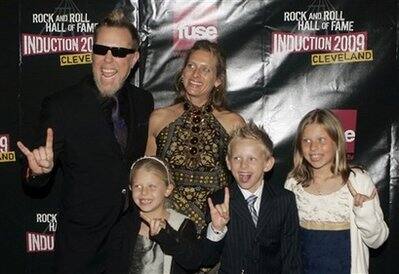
220 213
359 199
155 225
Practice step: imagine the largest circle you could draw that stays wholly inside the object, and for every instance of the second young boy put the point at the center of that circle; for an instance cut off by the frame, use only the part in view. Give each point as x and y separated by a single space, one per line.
262 233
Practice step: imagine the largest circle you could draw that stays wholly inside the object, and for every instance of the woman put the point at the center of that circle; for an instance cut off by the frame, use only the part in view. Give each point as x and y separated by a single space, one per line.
192 134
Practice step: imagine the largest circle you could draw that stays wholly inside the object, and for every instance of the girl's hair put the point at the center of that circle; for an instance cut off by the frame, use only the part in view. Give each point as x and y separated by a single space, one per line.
302 171
152 164
218 94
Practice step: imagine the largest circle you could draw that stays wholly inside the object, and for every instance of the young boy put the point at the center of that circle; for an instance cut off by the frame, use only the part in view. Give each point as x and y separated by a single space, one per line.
262 229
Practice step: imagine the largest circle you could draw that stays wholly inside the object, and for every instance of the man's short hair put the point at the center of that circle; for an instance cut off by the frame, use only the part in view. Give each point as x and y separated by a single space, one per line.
252 131
117 19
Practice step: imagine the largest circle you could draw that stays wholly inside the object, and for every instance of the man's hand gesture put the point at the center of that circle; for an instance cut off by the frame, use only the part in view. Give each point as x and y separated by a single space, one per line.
220 214
41 159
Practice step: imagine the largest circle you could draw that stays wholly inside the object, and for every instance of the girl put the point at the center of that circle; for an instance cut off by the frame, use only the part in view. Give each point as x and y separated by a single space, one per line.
151 185
339 211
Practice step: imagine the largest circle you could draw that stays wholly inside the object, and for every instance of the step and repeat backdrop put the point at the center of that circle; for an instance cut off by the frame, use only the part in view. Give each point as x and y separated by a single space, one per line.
284 58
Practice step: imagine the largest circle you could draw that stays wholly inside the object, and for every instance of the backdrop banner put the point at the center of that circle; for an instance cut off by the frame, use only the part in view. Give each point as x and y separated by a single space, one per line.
284 58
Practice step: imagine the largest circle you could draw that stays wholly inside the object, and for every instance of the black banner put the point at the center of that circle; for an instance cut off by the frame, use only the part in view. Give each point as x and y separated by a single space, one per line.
284 58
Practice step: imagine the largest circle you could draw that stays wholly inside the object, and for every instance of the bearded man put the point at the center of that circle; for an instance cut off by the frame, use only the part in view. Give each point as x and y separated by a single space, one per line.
95 130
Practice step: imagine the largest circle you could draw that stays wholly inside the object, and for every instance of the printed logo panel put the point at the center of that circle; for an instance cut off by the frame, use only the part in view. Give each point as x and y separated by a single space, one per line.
66 32
42 241
329 35
348 118
5 154
192 23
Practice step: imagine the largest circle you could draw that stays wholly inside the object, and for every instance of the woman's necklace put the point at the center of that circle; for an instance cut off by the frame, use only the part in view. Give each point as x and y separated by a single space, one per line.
197 116
189 107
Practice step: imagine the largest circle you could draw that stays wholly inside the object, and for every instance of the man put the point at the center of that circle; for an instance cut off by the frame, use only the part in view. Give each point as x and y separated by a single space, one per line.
96 129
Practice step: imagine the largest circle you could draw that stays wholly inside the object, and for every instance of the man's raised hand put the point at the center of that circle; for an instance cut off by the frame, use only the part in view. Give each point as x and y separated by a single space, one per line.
220 214
41 159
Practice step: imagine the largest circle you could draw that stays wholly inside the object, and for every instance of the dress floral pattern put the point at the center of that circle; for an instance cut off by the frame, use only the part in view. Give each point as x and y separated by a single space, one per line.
194 146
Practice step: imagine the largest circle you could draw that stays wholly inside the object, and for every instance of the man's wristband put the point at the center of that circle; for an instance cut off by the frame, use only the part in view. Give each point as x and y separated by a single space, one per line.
30 174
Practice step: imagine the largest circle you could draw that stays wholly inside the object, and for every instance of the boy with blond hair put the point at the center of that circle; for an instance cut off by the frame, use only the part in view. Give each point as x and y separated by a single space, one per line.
260 234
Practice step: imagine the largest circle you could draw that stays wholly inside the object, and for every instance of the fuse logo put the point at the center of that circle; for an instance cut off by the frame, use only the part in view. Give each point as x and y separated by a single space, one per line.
348 118
197 32
193 23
